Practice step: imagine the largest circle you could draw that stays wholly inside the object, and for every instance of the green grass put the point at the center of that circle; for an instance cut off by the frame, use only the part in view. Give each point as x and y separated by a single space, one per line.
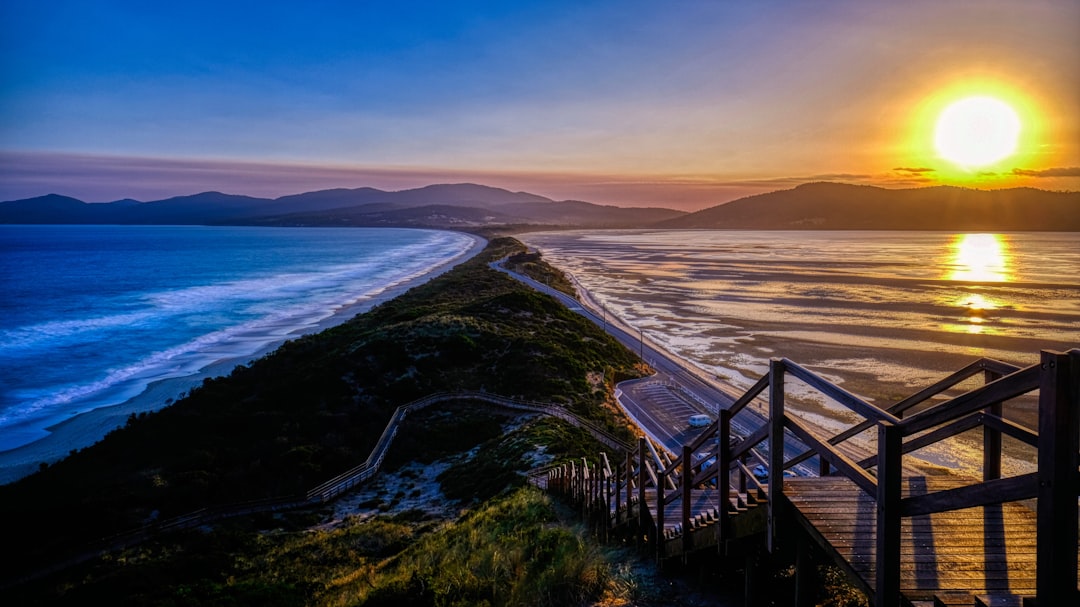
511 551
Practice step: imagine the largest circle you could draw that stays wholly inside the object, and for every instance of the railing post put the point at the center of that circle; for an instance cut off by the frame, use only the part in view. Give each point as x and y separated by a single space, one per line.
573 482
584 489
776 447
643 508
1059 439
890 445
744 459
618 492
723 475
991 437
687 497
629 484
605 476
661 491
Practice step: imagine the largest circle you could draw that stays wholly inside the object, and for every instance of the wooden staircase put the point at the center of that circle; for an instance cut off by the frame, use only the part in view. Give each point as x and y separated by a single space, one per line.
904 538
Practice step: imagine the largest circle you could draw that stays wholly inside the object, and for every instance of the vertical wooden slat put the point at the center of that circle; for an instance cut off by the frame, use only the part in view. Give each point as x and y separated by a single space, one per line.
723 475
661 489
606 484
776 447
745 460
687 496
1059 435
991 437
618 492
643 509
887 587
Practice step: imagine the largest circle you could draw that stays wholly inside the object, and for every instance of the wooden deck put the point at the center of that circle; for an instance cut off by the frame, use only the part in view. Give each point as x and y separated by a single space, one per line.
906 538
988 550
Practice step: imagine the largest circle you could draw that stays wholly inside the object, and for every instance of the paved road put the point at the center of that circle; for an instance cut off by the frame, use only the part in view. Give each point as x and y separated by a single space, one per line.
661 404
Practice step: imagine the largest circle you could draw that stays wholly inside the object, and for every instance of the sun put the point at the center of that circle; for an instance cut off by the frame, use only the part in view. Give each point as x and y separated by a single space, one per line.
977 131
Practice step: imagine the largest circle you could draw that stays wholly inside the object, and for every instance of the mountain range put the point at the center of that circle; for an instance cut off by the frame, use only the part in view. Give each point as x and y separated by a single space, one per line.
450 205
812 206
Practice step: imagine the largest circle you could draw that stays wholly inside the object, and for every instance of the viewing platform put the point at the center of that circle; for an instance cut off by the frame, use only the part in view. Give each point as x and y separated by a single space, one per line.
903 536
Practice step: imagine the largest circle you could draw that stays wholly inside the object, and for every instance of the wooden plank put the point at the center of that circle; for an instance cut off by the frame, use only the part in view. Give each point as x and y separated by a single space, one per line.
975 549
988 492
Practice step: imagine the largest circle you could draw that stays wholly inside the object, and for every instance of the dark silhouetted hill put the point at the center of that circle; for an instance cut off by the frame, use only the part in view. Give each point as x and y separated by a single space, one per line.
435 206
837 206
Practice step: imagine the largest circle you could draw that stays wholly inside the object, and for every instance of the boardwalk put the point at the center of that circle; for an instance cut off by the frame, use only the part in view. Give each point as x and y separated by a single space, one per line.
903 537
986 550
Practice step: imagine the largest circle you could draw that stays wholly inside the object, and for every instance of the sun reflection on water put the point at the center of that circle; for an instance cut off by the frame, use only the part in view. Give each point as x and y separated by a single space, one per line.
978 258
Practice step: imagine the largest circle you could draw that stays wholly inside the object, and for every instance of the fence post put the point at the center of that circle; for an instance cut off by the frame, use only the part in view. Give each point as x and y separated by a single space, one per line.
687 496
1059 438
661 491
584 488
618 492
723 475
605 476
776 447
890 445
629 485
643 508
991 437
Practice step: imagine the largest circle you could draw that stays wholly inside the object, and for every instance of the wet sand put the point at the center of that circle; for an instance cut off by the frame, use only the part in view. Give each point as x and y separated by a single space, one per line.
87 428
880 314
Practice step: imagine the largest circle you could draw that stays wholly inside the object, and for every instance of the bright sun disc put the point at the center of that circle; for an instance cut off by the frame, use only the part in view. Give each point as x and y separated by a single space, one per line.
977 131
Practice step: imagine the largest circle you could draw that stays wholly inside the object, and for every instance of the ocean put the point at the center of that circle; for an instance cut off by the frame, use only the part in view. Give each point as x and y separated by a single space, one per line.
92 315
881 313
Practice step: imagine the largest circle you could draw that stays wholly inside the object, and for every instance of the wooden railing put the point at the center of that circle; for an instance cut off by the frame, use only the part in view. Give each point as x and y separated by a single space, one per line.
725 461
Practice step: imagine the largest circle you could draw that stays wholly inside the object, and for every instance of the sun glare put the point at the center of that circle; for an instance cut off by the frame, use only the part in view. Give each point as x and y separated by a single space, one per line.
977 131
980 258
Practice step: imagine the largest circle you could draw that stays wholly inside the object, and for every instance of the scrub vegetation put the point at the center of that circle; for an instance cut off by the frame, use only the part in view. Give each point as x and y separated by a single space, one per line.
315 408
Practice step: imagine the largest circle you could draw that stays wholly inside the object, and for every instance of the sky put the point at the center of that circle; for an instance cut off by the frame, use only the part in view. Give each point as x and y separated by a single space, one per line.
676 104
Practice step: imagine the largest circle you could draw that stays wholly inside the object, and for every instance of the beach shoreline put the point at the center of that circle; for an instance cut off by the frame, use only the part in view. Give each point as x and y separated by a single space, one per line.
88 427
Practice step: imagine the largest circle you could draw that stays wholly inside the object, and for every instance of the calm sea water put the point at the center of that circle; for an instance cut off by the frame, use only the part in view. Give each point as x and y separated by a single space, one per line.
90 315
884 313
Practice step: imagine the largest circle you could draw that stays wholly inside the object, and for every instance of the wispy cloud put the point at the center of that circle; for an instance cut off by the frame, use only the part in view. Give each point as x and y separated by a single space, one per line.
914 170
1054 172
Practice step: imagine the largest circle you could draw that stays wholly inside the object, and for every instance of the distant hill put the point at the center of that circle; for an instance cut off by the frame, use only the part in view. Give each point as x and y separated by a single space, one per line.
812 206
837 206
444 205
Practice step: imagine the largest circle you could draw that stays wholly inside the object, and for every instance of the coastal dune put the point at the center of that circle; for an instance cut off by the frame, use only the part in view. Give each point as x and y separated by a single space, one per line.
86 428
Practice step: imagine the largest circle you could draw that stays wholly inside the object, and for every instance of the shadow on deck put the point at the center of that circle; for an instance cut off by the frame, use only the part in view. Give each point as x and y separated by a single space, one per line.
902 537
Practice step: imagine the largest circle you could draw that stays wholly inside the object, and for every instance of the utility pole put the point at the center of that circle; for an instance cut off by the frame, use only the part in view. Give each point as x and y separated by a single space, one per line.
641 344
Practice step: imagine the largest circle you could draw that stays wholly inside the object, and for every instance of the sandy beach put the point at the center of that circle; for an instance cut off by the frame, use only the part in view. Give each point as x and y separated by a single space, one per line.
87 428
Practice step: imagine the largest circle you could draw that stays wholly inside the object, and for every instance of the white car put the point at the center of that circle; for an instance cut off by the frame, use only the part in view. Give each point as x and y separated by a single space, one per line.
700 421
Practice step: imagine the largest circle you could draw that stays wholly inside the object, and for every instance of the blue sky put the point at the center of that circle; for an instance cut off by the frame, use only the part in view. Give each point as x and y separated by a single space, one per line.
680 103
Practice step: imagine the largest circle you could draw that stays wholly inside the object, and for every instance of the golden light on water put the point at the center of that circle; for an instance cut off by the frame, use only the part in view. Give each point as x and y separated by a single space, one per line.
980 258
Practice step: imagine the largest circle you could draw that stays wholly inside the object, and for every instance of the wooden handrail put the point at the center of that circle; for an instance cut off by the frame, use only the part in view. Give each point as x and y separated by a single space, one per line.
839 394
1004 388
984 493
850 468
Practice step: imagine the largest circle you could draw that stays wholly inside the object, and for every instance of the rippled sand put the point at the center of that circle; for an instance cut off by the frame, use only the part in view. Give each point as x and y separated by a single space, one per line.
882 313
